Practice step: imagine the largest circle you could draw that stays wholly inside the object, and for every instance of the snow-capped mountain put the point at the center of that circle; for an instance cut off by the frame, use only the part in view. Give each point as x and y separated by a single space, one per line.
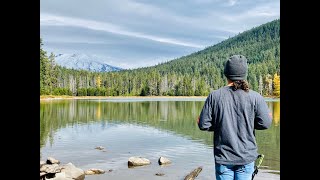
84 62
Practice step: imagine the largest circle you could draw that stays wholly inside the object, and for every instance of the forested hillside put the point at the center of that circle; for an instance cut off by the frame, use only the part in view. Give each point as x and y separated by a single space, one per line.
193 75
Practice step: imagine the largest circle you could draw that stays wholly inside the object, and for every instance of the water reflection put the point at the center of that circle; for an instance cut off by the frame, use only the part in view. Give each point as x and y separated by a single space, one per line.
178 117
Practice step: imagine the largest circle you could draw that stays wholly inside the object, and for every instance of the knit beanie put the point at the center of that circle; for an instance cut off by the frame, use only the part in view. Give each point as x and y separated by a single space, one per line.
236 68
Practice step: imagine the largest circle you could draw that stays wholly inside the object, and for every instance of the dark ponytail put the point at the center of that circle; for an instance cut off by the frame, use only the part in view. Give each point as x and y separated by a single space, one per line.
240 84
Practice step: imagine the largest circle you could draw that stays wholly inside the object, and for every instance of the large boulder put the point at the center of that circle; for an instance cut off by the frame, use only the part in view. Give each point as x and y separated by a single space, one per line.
72 172
138 161
163 160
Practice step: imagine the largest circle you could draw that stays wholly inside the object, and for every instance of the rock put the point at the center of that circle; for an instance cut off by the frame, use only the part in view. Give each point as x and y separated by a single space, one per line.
99 148
89 172
50 168
159 174
52 160
50 175
42 163
138 161
42 175
163 160
73 172
94 171
61 176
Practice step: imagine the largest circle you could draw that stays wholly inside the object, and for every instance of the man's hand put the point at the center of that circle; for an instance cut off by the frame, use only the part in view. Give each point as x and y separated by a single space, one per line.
198 120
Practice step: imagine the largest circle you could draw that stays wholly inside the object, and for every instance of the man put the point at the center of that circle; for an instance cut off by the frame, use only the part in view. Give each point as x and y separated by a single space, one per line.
233 112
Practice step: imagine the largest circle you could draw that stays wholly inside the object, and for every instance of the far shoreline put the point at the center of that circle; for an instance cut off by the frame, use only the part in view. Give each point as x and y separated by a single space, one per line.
46 97
65 97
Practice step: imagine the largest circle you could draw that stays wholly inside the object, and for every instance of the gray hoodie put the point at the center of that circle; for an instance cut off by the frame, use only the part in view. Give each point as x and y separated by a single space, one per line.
233 116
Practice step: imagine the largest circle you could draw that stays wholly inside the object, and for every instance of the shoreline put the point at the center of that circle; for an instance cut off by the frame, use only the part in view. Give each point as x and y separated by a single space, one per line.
52 97
64 97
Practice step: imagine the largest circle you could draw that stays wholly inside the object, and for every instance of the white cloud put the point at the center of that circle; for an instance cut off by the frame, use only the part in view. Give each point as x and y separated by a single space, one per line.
263 11
204 1
232 2
244 20
132 7
54 20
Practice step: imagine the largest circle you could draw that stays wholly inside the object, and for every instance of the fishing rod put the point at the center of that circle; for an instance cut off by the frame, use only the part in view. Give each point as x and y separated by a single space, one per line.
256 167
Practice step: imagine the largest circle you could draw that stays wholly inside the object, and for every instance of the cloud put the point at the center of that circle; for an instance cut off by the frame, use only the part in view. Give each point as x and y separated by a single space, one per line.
54 20
245 19
257 12
232 2
216 2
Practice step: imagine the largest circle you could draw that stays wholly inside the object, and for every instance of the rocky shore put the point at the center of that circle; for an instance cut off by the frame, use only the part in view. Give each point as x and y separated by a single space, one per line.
53 170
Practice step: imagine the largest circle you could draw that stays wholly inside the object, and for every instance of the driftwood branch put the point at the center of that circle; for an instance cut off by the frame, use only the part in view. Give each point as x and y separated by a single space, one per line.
193 174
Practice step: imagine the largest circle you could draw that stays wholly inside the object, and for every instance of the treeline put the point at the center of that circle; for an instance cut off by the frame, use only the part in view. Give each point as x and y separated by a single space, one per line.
194 75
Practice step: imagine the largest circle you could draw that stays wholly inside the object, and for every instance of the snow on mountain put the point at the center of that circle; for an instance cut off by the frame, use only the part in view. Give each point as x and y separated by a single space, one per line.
84 62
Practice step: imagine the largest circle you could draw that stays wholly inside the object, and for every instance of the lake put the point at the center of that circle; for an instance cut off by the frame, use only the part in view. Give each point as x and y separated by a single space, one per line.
147 127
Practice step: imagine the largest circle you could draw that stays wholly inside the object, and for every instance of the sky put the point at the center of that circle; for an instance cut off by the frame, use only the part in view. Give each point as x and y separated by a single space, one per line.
139 33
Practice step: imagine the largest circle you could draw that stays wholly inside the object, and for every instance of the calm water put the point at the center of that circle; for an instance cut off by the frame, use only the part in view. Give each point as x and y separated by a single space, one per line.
71 129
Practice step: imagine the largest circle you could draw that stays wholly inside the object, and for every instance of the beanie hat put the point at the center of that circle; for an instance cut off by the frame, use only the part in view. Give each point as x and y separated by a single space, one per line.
236 68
